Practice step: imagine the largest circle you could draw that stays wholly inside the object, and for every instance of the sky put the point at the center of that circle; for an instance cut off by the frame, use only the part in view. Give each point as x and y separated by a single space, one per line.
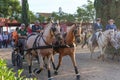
49 6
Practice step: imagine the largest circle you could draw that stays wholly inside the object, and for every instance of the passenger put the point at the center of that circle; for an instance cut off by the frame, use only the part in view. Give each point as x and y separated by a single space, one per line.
22 35
36 28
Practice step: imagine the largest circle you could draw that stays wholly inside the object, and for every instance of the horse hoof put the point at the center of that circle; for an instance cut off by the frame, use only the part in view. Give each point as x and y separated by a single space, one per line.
56 72
50 78
30 76
78 77
36 71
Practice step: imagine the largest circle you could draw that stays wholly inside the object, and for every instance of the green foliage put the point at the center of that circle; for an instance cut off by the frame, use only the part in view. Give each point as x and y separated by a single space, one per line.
25 11
32 17
107 9
10 8
63 17
8 74
86 13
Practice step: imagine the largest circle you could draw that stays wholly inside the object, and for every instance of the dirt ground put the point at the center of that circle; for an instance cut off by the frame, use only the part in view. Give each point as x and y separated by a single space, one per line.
90 69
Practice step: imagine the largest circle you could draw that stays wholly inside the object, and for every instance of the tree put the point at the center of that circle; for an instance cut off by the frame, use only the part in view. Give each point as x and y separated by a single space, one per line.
10 8
107 9
86 13
63 17
25 11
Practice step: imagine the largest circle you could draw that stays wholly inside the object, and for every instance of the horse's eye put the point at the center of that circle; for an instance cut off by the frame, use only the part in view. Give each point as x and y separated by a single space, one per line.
54 29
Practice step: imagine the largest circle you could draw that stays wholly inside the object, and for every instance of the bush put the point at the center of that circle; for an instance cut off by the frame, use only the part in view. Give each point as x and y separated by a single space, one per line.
8 74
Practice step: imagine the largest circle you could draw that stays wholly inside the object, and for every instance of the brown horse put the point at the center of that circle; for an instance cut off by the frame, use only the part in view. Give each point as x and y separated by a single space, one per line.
43 47
72 36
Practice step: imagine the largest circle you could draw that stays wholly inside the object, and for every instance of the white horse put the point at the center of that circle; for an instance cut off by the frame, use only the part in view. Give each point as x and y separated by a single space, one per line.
43 41
102 41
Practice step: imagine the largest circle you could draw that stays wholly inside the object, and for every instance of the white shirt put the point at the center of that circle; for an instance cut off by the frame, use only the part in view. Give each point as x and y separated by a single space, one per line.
5 37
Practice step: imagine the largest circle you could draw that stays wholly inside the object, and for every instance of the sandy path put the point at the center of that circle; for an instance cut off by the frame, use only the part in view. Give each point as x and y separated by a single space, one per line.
90 69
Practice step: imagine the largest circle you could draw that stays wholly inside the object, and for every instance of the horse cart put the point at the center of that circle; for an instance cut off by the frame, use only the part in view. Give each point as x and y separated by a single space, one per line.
44 46
17 56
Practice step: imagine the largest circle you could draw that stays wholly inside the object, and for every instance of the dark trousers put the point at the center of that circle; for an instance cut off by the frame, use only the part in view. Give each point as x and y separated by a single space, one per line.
5 43
85 42
0 44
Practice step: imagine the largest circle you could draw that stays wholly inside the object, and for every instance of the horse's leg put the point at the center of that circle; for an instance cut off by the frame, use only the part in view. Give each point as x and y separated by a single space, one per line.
48 66
40 63
102 53
59 63
29 61
72 56
53 64
92 51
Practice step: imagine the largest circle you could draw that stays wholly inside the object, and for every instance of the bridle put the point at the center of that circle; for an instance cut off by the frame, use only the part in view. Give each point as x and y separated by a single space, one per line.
53 30
53 33
75 32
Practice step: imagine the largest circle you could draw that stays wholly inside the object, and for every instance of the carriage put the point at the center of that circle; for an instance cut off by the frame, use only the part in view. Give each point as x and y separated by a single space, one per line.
17 58
43 47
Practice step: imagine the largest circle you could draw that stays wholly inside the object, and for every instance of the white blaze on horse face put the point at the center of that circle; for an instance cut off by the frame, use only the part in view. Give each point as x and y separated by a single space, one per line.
57 29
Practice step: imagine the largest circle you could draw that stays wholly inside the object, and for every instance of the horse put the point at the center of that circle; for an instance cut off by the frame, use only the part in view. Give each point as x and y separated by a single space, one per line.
43 47
72 36
102 41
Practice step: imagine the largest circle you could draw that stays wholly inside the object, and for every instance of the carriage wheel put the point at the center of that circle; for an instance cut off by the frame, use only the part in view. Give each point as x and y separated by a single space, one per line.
19 61
13 57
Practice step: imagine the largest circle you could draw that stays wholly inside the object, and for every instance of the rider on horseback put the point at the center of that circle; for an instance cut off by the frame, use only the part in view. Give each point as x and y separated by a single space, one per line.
111 25
97 28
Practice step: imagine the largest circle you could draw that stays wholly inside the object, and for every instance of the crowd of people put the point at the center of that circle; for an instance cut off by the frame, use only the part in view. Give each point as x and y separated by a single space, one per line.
21 33
4 39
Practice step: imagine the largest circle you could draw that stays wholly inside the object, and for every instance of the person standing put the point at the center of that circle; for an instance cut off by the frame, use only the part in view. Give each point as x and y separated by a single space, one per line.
5 39
63 27
1 40
15 37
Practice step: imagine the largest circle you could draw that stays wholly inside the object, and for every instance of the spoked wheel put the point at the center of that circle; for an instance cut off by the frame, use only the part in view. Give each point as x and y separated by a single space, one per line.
13 57
19 61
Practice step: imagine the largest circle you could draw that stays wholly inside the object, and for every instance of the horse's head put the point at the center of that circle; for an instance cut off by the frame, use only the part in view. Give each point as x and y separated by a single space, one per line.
115 41
109 34
77 32
55 30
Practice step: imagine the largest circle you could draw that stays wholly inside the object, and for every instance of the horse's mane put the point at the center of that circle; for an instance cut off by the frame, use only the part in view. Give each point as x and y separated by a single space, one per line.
69 34
49 24
47 27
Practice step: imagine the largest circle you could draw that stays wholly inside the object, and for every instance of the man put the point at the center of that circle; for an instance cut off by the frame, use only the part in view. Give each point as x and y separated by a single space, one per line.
22 35
111 25
15 37
1 40
5 39
96 28
36 28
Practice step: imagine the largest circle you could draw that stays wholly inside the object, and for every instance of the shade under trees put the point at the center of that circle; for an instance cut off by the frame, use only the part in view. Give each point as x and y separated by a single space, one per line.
108 9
